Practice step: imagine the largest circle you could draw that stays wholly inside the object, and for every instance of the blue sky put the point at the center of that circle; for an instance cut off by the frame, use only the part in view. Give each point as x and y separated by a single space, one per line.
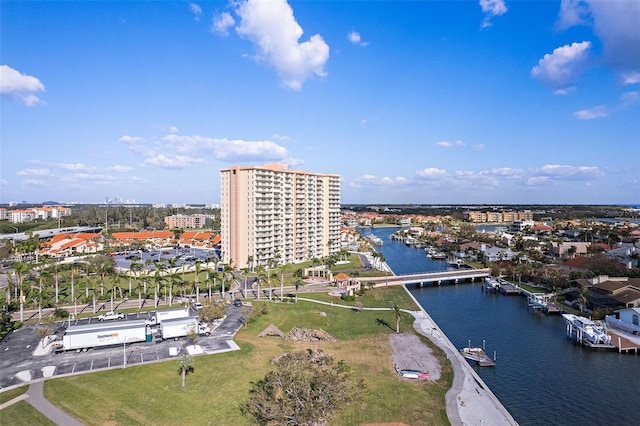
450 102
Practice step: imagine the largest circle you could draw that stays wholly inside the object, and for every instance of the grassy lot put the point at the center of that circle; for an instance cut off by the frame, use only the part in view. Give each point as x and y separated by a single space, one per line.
381 297
22 413
13 393
151 394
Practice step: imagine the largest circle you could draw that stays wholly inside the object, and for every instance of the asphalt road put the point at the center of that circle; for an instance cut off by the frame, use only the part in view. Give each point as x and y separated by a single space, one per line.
18 363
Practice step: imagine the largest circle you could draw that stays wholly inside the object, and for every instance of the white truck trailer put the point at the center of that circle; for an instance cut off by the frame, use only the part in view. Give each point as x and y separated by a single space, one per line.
180 327
167 314
85 337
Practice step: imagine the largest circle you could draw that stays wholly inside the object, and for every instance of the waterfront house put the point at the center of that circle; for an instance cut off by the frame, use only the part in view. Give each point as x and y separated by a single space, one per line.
625 319
570 249
611 292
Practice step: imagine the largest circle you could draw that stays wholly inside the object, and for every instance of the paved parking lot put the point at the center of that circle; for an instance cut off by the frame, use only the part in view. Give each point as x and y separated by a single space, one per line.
184 257
19 364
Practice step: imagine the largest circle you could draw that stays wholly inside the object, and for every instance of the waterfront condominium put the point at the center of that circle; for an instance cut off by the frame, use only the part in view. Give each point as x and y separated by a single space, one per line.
271 215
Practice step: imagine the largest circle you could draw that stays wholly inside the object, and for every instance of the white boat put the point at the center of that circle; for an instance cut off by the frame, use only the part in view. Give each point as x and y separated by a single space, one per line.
376 241
587 332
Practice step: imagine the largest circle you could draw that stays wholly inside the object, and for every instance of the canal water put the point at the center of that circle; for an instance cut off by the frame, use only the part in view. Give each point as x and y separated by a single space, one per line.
541 377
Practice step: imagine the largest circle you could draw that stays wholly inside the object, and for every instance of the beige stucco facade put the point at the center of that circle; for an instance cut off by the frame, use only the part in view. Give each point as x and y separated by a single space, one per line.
273 215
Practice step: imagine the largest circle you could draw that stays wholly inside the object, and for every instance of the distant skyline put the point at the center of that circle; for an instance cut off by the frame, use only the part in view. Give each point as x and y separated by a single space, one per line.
416 102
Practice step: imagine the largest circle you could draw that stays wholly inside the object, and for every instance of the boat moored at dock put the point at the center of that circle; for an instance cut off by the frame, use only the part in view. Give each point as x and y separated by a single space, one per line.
587 332
478 355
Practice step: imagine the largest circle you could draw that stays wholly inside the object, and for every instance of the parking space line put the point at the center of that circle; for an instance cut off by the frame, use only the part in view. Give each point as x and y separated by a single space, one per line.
91 368
73 370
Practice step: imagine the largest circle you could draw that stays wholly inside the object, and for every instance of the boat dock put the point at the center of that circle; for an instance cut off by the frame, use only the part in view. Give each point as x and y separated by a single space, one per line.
543 303
478 355
587 332
509 289
622 343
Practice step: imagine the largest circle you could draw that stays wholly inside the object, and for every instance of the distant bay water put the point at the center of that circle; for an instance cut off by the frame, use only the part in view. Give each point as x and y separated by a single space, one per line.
541 377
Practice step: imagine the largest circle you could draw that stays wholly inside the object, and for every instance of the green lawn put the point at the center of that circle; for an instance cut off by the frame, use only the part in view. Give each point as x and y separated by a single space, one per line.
381 297
13 393
151 394
23 413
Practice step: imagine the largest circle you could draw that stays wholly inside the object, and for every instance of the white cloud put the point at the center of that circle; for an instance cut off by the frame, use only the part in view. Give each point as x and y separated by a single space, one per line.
74 167
572 12
372 181
222 23
492 8
480 181
171 161
272 28
225 149
615 23
589 114
131 139
506 172
631 77
120 169
196 9
448 144
34 172
559 69
431 173
565 172
354 38
480 147
628 99
19 87
173 130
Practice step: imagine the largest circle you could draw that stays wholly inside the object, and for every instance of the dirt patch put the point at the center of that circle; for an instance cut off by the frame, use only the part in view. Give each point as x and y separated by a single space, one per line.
409 352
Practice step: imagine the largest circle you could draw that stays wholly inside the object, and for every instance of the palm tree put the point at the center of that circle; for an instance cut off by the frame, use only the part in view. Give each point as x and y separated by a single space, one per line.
134 269
196 279
21 269
398 313
298 283
175 279
185 366
584 298
103 266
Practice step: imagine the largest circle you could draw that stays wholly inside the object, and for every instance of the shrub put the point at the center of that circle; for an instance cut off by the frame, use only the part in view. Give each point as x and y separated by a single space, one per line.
60 313
347 298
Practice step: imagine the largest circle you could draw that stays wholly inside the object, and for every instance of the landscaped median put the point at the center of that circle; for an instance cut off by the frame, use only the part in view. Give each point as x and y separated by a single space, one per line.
152 394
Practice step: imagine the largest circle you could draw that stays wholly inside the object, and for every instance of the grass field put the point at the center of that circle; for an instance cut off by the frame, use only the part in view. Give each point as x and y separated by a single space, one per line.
151 394
22 413
13 393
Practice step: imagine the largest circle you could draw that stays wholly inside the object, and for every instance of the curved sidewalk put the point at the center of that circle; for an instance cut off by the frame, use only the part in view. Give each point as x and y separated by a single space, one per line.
35 397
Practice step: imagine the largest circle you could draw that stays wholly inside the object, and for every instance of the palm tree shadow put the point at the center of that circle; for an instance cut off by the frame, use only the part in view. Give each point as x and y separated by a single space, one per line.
380 321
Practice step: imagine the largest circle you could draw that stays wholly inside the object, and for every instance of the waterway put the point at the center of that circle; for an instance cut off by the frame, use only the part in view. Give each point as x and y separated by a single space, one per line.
541 377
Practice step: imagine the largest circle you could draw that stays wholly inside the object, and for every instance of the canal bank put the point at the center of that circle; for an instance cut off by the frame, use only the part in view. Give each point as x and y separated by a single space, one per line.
469 401
537 367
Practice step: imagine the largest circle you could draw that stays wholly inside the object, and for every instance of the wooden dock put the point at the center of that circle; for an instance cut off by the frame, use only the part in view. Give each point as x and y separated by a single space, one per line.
479 356
509 289
622 343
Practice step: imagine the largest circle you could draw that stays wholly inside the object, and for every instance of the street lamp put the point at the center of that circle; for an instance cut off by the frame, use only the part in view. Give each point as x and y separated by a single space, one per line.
14 236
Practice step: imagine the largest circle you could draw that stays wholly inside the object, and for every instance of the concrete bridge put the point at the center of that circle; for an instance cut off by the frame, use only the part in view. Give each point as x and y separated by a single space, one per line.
436 278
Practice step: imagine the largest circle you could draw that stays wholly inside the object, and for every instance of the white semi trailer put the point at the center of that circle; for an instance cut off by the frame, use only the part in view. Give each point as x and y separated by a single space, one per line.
180 327
168 314
85 337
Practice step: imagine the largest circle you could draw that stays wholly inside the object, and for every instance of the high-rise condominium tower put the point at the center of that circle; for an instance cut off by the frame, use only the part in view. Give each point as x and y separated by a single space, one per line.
271 215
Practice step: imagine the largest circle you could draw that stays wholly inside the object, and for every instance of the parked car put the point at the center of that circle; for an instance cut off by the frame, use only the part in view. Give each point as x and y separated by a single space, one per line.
111 316
237 302
197 306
